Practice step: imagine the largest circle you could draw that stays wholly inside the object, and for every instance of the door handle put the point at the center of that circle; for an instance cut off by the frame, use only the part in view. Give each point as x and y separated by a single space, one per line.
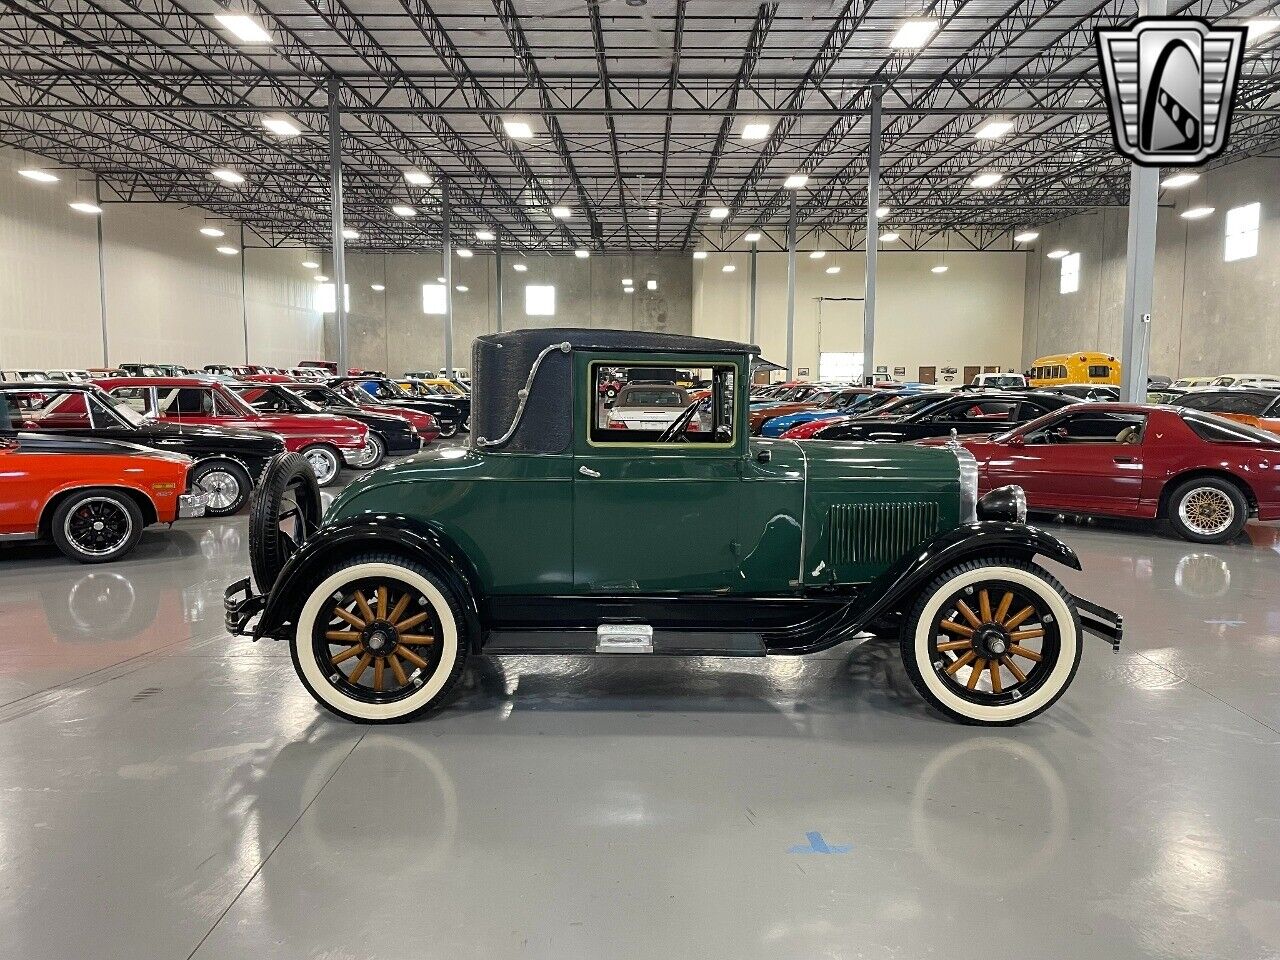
1124 459
588 472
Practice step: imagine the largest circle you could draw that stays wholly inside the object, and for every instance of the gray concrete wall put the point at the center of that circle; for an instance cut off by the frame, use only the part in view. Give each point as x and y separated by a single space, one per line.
387 329
1209 316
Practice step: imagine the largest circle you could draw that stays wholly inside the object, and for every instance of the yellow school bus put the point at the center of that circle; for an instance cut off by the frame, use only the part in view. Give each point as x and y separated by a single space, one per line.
1063 368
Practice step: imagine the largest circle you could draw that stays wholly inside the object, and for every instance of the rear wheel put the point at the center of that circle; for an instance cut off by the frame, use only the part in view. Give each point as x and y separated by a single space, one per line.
448 427
96 525
227 484
1208 510
284 511
374 452
992 642
324 462
379 640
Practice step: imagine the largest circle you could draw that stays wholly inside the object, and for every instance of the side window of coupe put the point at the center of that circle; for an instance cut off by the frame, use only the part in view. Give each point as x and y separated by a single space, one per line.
139 398
1092 427
651 407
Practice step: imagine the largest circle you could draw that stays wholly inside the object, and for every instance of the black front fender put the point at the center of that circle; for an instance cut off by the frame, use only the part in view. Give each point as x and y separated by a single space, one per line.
387 533
970 541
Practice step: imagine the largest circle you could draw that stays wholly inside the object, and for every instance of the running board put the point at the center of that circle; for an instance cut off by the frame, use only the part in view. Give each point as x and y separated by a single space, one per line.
608 638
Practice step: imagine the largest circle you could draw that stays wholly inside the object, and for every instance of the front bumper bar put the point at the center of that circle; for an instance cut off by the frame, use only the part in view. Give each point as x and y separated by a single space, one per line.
192 504
241 606
1100 621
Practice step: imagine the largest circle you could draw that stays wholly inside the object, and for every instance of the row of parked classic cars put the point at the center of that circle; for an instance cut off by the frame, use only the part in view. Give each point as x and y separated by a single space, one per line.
1197 457
90 460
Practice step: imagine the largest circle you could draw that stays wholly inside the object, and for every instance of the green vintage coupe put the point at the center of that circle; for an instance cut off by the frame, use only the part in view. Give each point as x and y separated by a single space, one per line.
561 529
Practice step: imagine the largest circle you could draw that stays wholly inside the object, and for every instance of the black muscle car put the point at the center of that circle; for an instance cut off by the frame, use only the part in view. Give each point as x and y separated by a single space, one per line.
228 462
936 415
450 413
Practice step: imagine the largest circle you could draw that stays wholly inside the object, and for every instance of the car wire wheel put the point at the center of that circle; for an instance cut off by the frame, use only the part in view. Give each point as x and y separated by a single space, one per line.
377 640
1207 511
994 643
98 526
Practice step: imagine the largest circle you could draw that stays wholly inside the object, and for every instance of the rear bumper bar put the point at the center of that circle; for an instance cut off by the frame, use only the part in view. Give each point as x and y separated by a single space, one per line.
1100 621
241 606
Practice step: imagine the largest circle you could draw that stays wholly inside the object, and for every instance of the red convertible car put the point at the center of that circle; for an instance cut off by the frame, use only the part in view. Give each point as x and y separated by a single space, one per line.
326 441
90 497
1206 475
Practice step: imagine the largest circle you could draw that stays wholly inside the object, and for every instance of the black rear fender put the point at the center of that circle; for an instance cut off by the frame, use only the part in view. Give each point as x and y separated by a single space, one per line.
388 534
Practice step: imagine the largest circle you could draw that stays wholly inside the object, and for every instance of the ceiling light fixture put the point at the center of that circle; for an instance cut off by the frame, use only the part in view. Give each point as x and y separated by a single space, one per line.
227 176
39 176
461 288
519 267
833 269
320 278
310 265
628 289
651 284
699 254
1196 213
993 129
281 126
728 268
817 254
888 236
1057 254
914 34
881 212
244 28
628 282
795 182
349 234
417 178
718 213
212 232
940 268
984 180
752 237
756 130
402 210
377 286
1026 236
581 253
228 251
484 235
561 213
84 206
464 253
1179 180
518 129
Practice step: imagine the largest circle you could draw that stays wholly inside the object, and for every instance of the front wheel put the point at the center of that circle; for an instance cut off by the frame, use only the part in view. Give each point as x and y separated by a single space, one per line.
379 640
96 525
227 484
448 428
1208 510
374 452
992 642
324 462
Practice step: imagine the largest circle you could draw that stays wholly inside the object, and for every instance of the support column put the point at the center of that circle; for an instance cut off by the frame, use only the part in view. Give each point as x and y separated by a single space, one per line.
244 300
791 288
873 239
446 269
102 272
338 241
751 323
497 262
1140 264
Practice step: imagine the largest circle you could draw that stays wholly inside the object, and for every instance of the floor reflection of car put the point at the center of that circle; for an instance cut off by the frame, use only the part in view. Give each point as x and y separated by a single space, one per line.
1206 475
647 406
91 497
228 461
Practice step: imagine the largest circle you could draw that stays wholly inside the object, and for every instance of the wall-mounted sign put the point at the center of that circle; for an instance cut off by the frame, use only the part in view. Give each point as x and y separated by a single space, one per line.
802 372
899 371
882 369
949 377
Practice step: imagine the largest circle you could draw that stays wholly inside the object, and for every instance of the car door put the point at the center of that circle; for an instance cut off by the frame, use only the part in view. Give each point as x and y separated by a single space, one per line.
1088 461
652 516
968 417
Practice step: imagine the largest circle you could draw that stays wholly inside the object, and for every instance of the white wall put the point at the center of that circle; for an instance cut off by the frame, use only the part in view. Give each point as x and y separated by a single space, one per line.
170 297
972 315
1209 316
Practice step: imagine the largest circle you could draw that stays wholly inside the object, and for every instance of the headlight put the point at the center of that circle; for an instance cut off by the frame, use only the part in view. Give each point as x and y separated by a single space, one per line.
968 483
1004 503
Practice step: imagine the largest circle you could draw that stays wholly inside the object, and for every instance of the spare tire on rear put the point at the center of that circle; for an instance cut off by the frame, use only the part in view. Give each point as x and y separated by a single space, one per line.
283 512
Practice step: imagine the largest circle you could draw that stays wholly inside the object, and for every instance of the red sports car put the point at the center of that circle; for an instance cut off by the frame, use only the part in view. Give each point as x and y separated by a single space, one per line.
324 396
326 441
1205 474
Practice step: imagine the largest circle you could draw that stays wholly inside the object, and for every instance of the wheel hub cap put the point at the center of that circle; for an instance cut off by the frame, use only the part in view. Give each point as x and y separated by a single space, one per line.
991 642
379 638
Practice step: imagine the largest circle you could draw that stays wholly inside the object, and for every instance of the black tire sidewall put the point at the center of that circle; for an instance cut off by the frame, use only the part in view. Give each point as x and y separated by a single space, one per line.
229 466
1226 486
382 451
266 557
72 551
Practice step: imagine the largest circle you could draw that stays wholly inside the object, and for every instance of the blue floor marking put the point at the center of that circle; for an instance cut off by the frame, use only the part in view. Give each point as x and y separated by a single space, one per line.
817 845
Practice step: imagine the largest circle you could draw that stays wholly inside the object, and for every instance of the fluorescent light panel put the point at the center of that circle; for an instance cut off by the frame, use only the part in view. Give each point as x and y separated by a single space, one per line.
914 34
833 270
310 265
889 236
464 253
349 234
984 180
817 254
881 212
581 254
699 254
417 178
1026 236
728 268
84 206
39 176
1179 180
718 213
377 286
1057 254
940 268
244 28
484 235
227 176
518 129
795 182
404 210
281 126
1196 213
561 213
756 130
993 129
752 237
519 267
228 251
212 232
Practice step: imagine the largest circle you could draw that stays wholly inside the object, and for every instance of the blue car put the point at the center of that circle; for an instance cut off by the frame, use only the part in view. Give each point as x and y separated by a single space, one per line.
859 404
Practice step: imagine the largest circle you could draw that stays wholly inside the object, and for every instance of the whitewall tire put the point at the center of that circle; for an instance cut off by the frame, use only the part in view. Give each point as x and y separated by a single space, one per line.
379 640
992 642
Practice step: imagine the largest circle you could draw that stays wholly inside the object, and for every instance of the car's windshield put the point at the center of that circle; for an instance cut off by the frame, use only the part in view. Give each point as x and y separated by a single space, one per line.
273 399
908 405
383 390
121 409
320 396
1005 380
653 396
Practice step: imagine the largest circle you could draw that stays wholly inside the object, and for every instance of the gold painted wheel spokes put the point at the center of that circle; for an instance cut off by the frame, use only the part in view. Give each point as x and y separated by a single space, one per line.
994 642
368 628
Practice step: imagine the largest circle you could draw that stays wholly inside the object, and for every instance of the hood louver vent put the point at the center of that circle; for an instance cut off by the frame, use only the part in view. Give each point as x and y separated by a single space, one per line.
863 533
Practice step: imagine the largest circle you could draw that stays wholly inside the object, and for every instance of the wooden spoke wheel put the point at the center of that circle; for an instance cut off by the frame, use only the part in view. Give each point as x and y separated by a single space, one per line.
993 641
377 639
